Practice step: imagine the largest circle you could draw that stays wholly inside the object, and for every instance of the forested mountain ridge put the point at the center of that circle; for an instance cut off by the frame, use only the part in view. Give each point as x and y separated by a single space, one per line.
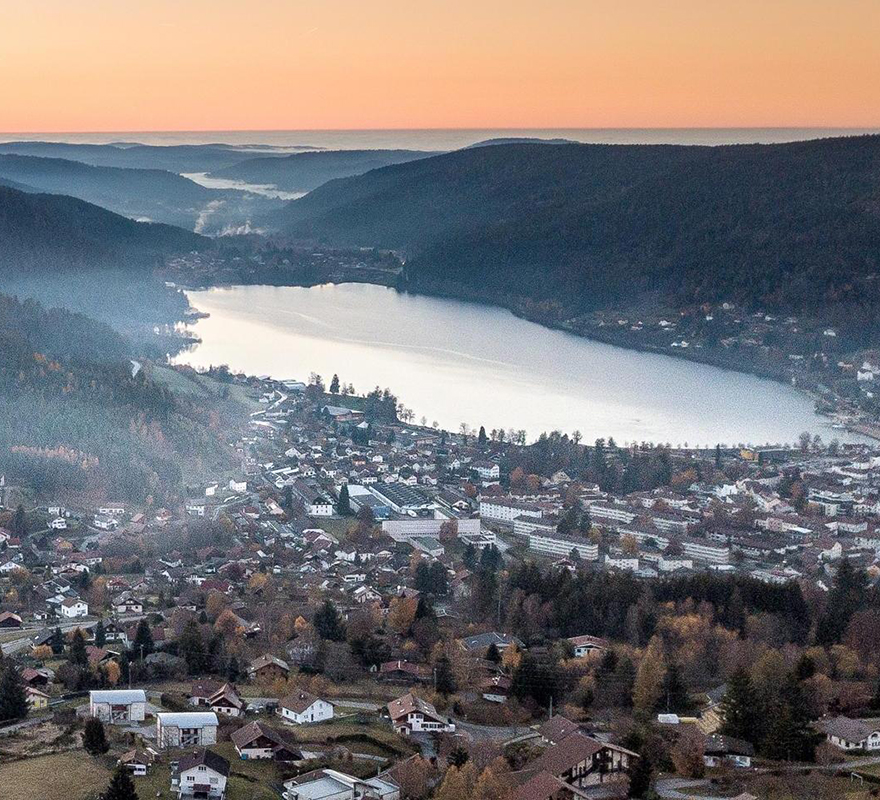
53 233
302 172
153 194
78 418
792 227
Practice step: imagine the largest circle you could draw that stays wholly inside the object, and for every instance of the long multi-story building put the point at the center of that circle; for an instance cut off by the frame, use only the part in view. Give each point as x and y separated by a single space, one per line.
500 510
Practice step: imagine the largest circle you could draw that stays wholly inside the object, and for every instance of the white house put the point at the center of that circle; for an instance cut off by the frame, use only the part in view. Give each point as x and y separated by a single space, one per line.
410 714
118 706
73 607
302 708
202 774
186 729
328 784
851 734
584 645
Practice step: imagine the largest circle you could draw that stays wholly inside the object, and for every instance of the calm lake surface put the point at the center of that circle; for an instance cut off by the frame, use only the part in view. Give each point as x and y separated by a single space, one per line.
455 362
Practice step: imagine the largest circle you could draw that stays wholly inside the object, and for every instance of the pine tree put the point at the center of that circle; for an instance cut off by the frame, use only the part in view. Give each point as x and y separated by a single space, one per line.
143 640
740 709
100 635
121 786
334 385
94 738
457 757
444 677
19 522
343 505
13 700
56 642
641 778
77 654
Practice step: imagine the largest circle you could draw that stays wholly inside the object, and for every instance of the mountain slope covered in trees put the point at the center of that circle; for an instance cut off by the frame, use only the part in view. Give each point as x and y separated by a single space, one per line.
48 233
79 419
793 227
302 172
152 194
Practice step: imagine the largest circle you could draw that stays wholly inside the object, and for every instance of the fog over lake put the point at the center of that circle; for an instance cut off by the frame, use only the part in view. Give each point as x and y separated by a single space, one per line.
455 362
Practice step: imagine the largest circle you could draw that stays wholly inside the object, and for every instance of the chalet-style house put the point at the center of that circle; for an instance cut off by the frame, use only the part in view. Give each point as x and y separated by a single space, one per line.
201 775
268 668
410 714
851 734
302 708
257 740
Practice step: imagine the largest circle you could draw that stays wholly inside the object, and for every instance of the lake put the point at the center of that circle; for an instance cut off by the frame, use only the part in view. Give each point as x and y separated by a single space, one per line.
453 362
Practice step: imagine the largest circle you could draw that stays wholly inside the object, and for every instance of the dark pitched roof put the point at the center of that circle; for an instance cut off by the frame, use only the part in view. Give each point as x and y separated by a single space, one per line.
209 758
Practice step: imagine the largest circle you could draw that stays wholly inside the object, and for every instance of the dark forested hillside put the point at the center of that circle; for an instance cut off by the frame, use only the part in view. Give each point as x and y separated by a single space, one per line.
302 172
150 194
793 226
51 233
79 418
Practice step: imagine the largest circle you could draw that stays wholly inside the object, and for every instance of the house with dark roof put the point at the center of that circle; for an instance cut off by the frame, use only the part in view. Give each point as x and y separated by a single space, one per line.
201 774
257 740
582 761
851 734
303 707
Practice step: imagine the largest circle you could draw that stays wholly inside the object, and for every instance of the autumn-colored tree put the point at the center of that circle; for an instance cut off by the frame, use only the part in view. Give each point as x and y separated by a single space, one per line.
227 623
215 604
458 783
113 672
490 786
42 652
650 675
401 614
413 776
511 658
629 545
687 754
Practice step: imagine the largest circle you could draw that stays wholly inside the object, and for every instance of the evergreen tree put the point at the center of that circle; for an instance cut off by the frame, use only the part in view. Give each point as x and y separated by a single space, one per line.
675 696
191 648
19 522
482 438
233 669
343 505
13 700
56 642
143 640
492 654
457 757
100 635
641 778
334 385
790 736
847 595
717 456
444 677
470 556
328 623
740 709
94 738
121 786
77 654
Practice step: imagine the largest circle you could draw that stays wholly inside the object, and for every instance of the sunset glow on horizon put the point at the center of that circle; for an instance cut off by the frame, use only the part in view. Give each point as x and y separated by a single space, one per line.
142 65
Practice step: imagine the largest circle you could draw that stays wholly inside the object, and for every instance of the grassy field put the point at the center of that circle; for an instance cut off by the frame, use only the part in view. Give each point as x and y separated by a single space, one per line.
65 776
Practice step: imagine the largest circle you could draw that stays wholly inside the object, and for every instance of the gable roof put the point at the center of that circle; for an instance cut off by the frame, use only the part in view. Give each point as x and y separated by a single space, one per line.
299 702
204 757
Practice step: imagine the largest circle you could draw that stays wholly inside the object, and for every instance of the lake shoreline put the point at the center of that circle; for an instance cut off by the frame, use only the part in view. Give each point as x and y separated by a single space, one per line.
760 429
609 336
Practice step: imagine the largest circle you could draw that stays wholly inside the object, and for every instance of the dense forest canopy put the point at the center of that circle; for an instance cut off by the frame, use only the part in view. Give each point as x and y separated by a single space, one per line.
790 227
46 233
79 417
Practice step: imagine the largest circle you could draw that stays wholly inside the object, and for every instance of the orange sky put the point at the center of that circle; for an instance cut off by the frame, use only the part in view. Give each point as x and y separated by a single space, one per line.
117 65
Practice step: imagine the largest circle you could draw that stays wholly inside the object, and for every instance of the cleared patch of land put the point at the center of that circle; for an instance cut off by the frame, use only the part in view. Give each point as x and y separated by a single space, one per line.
64 776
